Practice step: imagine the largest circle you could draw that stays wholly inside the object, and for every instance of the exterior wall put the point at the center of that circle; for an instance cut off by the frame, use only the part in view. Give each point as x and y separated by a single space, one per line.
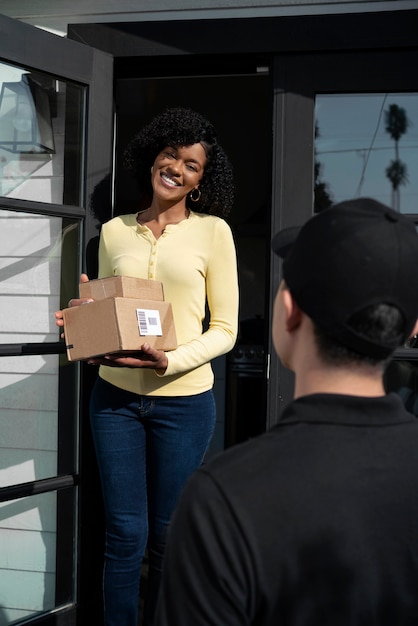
55 16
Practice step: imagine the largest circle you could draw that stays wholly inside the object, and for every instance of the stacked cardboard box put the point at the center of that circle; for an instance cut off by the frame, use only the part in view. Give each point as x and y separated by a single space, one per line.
125 313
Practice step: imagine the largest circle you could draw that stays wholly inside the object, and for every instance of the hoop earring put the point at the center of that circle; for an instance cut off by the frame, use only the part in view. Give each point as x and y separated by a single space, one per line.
192 194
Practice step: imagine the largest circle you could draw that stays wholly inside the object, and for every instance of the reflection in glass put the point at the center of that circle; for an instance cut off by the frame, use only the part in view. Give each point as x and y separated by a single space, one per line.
367 145
29 418
402 378
38 272
26 106
31 580
35 111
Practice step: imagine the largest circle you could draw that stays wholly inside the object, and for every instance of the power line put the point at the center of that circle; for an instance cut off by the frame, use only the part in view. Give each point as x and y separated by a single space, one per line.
342 150
366 160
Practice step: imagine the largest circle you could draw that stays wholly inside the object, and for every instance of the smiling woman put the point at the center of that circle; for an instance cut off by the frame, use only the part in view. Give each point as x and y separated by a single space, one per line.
176 128
175 174
153 414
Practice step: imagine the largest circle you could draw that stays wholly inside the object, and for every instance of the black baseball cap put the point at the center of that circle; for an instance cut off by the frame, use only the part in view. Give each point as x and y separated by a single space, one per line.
353 255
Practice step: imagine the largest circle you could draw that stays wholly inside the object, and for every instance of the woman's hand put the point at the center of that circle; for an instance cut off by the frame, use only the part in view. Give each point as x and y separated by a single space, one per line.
148 357
59 319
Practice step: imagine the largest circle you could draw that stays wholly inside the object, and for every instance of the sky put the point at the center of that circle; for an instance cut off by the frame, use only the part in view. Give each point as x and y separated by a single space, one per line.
354 148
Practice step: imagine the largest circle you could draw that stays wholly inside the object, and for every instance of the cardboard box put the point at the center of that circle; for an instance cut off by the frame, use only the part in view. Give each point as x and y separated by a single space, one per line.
118 324
122 287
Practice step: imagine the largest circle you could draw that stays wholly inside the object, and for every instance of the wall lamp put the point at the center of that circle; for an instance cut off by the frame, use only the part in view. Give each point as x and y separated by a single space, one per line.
25 117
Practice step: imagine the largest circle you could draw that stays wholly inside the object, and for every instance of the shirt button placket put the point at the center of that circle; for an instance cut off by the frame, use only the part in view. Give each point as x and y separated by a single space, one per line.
152 263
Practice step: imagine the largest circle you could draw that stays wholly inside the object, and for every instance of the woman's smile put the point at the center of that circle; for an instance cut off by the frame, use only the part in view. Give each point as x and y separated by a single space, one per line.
179 168
169 180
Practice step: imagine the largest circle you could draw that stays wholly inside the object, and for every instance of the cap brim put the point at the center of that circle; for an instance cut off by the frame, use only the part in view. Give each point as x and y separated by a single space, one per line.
282 242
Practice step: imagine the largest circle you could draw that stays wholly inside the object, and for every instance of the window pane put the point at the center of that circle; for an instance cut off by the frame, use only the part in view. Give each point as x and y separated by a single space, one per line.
33 141
39 263
31 420
29 424
367 145
29 567
402 378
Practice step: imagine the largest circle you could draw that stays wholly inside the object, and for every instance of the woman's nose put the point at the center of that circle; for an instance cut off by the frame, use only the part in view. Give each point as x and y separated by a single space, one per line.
175 166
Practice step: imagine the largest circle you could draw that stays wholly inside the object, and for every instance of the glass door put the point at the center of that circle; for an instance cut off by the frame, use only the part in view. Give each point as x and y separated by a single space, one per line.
345 127
53 151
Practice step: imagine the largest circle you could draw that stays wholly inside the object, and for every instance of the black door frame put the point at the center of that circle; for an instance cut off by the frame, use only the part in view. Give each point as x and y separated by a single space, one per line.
298 78
31 48
309 54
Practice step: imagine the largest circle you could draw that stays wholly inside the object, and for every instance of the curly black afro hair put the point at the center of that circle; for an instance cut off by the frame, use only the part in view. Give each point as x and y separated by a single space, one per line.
184 127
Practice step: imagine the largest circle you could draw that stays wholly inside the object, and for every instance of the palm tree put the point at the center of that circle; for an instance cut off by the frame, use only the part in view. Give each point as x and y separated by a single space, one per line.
396 124
397 173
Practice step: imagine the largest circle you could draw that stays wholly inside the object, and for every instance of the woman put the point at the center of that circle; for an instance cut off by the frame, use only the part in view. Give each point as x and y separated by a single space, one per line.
153 414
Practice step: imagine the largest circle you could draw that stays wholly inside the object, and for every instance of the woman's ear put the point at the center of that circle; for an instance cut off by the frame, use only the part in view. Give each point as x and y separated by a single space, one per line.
293 314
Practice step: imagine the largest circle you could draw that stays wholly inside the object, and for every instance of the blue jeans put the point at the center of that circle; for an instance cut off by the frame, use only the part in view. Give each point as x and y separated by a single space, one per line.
146 449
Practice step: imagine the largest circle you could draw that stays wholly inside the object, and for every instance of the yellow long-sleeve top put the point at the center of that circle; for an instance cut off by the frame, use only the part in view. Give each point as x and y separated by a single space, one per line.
196 262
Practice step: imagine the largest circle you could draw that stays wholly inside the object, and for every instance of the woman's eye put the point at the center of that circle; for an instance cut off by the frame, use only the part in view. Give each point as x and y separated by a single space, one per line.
193 168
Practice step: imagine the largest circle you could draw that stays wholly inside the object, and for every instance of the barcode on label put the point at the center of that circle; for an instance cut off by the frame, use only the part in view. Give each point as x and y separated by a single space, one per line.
149 322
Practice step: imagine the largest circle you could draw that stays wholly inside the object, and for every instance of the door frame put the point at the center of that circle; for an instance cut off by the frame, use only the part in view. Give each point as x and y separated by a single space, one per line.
308 53
29 47
298 79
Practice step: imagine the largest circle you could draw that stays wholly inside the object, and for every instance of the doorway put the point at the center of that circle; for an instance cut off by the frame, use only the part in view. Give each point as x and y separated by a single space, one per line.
239 106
